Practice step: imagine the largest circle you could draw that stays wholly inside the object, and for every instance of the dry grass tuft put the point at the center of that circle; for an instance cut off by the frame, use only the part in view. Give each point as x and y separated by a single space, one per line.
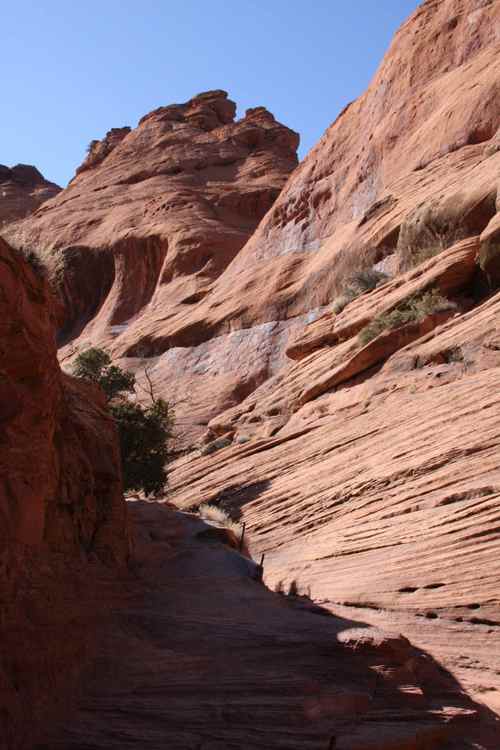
412 310
216 515
431 241
362 281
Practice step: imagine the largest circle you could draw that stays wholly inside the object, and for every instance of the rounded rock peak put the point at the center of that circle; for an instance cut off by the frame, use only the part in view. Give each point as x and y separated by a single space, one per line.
215 106
209 95
258 113
26 174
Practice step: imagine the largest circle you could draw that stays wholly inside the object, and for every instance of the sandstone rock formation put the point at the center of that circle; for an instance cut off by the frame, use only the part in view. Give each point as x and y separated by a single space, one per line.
215 660
62 515
22 190
372 473
415 156
153 217
369 471
175 639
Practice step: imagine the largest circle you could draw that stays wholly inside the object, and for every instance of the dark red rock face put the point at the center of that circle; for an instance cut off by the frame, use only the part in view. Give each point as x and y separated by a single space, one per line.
62 515
22 189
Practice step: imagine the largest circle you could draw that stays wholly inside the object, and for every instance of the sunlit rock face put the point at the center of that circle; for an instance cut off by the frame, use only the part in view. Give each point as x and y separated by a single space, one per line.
367 471
22 190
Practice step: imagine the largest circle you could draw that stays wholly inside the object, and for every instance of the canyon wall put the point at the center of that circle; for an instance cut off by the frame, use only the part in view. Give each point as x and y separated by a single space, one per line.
152 218
153 230
368 470
62 515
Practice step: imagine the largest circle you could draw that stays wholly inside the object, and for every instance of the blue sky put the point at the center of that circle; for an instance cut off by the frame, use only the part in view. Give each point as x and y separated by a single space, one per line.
71 71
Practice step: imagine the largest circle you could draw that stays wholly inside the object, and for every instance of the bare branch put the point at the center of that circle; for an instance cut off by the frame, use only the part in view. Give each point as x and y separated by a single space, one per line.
149 390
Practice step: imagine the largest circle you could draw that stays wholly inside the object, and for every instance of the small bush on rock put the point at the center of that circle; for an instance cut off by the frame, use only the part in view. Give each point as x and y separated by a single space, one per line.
144 434
412 310
95 364
215 445
144 431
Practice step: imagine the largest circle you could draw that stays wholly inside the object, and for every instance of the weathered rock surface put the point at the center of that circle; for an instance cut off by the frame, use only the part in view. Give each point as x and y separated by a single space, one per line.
416 155
371 474
22 189
213 659
155 214
62 515
152 218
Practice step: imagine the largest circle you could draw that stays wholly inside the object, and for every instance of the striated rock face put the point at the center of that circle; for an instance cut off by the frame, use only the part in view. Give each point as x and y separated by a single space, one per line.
62 515
155 214
367 470
213 659
371 472
22 190
152 218
154 226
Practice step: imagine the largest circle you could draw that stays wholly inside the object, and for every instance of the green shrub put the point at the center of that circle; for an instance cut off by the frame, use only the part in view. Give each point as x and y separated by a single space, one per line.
144 434
144 431
412 310
95 364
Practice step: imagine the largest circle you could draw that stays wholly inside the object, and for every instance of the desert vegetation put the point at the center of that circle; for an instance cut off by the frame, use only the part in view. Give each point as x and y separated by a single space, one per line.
357 284
412 310
214 446
219 516
45 261
144 430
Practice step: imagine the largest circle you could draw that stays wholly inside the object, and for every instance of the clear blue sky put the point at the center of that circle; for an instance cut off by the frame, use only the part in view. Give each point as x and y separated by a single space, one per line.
72 70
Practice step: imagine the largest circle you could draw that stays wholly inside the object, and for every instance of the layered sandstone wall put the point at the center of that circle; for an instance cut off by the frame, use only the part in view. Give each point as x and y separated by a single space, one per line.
369 472
152 218
155 214
157 232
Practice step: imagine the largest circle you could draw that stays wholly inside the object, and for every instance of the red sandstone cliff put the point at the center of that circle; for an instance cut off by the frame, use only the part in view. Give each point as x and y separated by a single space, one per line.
175 640
369 472
154 216
417 152
22 190
62 515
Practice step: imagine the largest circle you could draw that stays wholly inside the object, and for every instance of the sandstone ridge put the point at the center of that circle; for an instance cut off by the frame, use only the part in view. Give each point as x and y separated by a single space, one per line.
155 214
22 189
164 261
